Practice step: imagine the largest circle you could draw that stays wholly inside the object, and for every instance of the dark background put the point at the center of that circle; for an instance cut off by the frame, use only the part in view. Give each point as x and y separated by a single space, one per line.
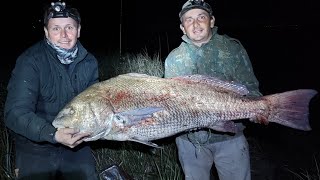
281 37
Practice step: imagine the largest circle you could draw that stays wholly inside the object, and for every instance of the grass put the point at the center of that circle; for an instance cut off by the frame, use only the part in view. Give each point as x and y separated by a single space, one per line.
139 161
306 174
131 63
6 145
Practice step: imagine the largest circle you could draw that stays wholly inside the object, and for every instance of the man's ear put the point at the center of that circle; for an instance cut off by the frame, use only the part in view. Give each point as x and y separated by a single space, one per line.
182 29
79 29
46 32
212 21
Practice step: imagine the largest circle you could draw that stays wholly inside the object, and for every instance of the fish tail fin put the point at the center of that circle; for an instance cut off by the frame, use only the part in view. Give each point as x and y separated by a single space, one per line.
289 108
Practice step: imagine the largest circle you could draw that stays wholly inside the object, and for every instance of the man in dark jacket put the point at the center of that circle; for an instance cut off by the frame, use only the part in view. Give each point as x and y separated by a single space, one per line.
46 77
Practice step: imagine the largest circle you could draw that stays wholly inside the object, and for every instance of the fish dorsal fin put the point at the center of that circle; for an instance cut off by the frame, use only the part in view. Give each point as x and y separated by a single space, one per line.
214 82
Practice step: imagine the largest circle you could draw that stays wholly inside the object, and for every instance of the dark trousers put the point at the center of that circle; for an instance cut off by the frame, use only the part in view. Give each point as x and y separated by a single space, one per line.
62 164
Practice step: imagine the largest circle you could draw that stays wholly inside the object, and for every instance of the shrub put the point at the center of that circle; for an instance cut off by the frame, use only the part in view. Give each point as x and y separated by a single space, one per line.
6 151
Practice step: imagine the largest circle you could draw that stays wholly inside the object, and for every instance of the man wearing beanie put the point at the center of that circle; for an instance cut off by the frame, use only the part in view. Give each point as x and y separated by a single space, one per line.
204 51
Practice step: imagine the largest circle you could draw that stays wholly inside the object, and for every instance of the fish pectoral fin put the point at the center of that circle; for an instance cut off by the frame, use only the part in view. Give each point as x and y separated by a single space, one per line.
148 143
139 114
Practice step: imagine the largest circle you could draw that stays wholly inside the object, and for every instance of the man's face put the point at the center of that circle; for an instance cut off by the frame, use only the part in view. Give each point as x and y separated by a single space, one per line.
197 24
63 32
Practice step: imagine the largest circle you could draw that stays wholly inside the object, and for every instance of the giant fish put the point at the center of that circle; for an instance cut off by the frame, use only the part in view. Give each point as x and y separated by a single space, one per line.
142 108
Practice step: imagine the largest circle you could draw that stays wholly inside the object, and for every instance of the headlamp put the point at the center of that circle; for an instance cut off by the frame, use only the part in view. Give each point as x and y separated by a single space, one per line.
59 10
58 6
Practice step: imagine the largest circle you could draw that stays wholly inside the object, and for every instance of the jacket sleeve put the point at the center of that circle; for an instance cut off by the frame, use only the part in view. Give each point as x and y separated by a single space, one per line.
175 66
20 105
169 67
244 73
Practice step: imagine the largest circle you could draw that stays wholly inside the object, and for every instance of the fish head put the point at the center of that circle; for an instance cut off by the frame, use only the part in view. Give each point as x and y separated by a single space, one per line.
88 115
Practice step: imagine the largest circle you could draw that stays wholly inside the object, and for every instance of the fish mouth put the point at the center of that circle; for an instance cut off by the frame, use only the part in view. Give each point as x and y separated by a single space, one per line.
58 126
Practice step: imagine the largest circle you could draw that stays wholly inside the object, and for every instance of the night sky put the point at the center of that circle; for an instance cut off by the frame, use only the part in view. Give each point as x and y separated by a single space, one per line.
281 37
